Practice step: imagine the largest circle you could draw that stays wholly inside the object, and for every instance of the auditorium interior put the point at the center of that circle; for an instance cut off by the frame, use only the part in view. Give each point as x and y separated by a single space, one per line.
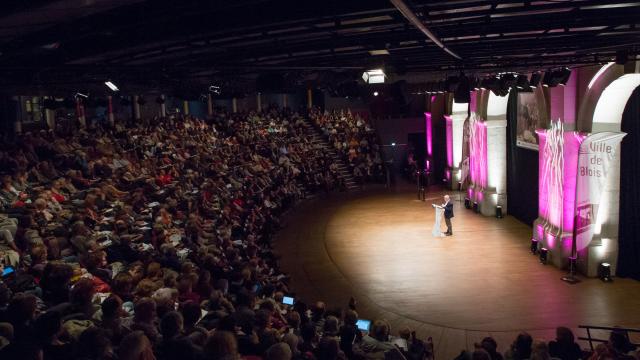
320 180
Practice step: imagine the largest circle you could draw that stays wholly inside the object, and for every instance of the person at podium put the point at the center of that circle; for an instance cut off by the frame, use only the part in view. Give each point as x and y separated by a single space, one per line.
448 214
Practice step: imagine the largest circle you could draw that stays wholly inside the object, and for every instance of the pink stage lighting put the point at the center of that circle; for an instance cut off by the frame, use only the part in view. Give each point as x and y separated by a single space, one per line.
449 123
429 133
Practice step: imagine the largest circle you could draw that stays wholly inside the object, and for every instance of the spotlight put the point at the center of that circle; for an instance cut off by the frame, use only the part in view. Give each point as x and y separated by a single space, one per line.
461 93
111 86
507 81
375 93
393 144
544 255
547 80
522 83
604 272
535 80
534 246
375 76
499 212
563 76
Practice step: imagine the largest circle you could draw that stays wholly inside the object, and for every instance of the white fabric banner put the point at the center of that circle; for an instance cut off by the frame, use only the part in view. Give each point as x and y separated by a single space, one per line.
597 152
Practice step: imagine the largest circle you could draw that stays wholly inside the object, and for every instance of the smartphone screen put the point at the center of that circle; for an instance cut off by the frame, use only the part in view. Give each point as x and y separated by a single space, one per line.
7 271
287 300
363 324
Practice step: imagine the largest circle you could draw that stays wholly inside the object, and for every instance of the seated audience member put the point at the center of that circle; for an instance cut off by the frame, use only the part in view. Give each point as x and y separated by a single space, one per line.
564 346
376 342
521 348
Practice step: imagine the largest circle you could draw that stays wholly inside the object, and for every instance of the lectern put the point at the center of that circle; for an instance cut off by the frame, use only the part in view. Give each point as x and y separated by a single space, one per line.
436 223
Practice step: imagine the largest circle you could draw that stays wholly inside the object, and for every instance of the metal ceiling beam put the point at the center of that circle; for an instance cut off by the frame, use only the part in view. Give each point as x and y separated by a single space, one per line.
413 19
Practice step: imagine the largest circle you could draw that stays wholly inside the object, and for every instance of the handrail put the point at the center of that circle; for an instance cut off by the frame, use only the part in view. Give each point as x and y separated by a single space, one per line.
592 339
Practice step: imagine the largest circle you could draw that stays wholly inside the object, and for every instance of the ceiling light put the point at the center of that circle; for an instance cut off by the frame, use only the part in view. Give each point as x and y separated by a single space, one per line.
379 52
375 76
111 86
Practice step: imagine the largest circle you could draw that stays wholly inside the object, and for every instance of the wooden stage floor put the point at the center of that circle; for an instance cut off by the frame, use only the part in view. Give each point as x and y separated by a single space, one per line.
377 246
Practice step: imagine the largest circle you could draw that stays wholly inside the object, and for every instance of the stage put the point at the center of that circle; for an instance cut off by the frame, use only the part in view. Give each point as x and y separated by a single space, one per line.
377 246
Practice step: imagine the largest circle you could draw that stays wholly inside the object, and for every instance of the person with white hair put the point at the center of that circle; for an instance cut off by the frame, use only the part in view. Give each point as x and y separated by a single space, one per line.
448 214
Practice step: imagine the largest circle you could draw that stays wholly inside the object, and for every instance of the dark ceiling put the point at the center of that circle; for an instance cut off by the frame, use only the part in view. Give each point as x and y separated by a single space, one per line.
159 42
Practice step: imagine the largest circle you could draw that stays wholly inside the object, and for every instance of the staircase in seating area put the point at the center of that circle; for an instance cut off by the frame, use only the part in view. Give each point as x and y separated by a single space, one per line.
319 141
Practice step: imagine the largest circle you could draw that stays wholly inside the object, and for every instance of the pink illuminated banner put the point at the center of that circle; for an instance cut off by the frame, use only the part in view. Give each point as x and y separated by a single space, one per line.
597 152
478 152
449 124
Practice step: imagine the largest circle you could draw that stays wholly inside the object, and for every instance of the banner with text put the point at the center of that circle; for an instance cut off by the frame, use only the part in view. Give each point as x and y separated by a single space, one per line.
597 152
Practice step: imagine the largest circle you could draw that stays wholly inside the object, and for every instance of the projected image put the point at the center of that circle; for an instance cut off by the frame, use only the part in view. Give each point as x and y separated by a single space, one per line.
528 121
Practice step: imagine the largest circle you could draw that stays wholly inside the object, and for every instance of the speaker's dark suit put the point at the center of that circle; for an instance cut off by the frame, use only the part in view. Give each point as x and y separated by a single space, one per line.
448 214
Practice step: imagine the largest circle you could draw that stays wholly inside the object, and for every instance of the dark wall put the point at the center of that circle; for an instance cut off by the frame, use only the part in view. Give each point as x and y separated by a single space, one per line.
628 237
522 170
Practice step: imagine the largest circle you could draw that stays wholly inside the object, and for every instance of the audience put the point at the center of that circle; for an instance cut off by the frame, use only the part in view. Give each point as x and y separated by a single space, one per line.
153 241
354 140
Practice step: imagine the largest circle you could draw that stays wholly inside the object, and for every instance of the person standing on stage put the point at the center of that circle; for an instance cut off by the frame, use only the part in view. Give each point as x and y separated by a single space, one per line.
448 214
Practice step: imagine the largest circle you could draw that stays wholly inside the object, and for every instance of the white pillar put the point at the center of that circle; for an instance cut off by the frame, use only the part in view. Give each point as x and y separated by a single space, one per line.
309 98
259 102
234 105
455 126
284 100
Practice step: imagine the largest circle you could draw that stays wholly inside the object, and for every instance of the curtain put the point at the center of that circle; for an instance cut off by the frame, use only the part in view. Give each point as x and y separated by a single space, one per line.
629 230
522 170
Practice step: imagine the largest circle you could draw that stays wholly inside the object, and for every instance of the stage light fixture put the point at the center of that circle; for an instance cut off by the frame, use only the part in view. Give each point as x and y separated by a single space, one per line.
374 76
375 93
507 81
499 212
544 255
563 76
523 83
393 144
534 80
461 93
604 272
534 246
547 78
111 86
